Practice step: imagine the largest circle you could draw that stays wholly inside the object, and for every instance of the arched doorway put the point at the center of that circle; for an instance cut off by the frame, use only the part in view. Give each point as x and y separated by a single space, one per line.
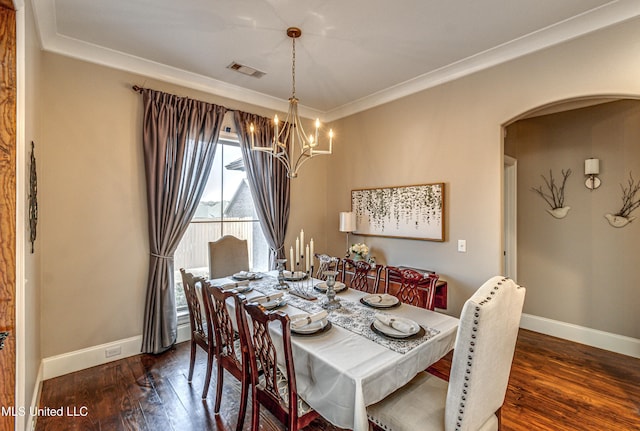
580 278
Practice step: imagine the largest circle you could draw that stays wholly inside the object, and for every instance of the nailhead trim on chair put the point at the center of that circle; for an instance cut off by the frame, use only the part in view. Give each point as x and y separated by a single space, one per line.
469 362
379 425
472 344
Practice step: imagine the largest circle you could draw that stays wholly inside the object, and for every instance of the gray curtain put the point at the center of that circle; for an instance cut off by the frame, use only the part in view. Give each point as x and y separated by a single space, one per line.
179 137
268 181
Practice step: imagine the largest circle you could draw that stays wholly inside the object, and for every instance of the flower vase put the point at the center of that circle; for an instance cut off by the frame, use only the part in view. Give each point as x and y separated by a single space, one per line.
618 221
559 212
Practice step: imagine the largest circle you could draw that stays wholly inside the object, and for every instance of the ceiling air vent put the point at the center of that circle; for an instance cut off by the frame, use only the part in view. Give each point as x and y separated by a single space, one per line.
250 71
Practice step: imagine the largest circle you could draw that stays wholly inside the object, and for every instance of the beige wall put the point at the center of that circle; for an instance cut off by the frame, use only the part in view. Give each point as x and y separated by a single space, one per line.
93 205
94 244
579 269
31 310
452 134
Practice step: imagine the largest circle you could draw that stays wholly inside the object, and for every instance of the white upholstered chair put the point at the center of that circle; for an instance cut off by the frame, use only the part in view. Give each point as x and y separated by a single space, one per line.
472 398
227 256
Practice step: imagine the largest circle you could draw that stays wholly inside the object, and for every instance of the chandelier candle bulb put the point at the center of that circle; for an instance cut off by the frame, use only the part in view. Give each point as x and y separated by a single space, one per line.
297 251
311 253
276 124
302 237
307 258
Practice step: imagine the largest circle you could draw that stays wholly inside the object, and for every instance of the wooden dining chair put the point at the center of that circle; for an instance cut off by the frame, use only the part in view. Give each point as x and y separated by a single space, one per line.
227 256
231 351
414 288
326 263
276 387
480 368
200 334
355 274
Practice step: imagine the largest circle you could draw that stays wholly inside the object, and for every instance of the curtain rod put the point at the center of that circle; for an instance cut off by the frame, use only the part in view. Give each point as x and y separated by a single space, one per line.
139 89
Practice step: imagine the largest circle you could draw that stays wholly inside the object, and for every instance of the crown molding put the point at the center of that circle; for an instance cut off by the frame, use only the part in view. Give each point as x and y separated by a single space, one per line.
580 25
612 13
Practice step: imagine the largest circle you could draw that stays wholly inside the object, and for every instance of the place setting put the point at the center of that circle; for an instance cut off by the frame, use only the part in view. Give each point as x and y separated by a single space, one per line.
294 275
247 275
337 287
270 302
309 324
238 286
380 300
395 327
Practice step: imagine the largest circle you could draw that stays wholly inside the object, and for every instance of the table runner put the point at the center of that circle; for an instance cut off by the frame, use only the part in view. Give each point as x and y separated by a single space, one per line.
352 316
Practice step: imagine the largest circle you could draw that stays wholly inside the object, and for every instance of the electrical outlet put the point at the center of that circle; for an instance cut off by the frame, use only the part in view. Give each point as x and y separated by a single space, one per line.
110 352
462 246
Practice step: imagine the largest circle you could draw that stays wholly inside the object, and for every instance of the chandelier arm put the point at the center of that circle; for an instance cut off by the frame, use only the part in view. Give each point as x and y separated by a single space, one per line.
299 162
284 146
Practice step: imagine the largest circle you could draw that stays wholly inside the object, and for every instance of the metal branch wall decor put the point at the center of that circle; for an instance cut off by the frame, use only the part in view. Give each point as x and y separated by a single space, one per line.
554 196
630 202
413 212
33 198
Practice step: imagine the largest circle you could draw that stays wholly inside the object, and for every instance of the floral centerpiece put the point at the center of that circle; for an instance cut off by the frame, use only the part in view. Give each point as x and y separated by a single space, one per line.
359 251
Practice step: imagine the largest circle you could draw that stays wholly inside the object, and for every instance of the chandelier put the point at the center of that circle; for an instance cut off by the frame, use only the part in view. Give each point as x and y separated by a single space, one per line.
291 145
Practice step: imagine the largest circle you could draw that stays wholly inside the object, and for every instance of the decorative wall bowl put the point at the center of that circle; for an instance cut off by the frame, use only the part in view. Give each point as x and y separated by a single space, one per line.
559 212
618 221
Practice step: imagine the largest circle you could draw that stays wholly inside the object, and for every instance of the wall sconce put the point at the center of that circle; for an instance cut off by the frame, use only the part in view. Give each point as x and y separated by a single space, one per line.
592 169
348 225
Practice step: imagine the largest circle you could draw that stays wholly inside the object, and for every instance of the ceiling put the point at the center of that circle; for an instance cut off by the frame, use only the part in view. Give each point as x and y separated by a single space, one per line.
352 55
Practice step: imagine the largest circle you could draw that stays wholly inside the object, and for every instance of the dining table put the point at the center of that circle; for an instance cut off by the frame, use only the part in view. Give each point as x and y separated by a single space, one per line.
350 365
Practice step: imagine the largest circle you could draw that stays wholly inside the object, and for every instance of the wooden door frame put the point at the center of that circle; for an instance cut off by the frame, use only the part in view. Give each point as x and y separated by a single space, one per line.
510 235
8 140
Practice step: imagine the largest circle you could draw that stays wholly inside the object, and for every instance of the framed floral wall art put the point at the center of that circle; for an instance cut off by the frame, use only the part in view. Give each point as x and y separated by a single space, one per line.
413 212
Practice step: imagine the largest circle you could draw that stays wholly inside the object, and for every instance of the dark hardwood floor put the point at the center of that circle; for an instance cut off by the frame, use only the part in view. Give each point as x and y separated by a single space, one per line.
554 385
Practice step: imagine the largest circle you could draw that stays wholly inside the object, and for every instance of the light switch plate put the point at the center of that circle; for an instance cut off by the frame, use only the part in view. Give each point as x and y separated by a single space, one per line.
462 245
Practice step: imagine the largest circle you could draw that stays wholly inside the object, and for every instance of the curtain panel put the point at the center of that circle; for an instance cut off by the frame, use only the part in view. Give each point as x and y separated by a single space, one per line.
268 181
179 139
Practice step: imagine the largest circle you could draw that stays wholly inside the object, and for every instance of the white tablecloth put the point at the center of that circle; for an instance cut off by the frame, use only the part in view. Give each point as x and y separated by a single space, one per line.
340 373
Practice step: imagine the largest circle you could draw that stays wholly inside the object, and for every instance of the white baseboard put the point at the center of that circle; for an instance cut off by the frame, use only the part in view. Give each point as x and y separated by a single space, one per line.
35 400
66 363
591 337
85 358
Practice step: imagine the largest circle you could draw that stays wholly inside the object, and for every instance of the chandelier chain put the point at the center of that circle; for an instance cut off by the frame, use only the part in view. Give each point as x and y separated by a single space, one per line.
293 69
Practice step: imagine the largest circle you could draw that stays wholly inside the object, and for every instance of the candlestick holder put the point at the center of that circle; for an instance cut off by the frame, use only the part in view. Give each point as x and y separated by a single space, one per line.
331 303
280 267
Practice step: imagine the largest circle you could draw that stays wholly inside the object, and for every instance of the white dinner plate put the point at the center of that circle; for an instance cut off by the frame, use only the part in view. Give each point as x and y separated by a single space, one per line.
274 303
394 333
247 276
294 276
311 328
240 289
338 287
380 300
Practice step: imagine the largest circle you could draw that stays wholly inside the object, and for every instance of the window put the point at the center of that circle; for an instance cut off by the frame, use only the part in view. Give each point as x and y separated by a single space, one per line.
226 208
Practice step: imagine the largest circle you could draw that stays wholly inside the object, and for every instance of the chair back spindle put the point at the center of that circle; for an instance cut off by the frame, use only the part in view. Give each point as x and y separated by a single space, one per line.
413 289
326 263
360 279
201 335
231 352
276 388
